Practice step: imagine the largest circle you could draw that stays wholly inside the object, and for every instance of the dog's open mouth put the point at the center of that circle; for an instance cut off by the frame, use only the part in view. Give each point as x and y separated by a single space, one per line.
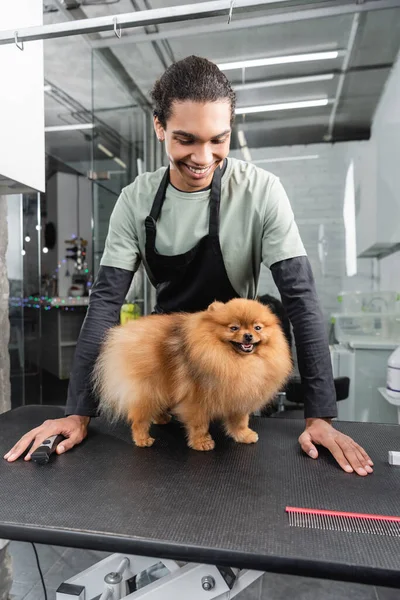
246 348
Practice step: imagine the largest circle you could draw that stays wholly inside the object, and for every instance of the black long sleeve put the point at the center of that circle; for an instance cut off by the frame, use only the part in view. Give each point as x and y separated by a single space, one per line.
295 282
107 296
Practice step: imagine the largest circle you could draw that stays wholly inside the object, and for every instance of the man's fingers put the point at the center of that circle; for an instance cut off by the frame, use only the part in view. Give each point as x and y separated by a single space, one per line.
20 446
339 456
366 458
355 458
40 437
307 445
74 429
365 464
67 444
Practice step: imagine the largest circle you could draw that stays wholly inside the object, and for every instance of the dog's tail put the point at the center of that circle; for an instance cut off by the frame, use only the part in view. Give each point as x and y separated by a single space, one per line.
114 390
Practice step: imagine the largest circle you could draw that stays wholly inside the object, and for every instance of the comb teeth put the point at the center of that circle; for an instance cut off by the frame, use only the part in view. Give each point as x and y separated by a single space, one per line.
344 521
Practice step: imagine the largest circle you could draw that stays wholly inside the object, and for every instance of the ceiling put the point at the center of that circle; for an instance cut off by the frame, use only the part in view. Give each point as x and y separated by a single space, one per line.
124 69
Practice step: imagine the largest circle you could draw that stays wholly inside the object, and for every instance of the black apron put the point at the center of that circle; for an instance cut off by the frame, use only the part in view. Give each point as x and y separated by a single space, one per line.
191 281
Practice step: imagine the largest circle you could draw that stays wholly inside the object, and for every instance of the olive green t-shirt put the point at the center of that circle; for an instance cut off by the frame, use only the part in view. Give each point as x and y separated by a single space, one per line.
256 223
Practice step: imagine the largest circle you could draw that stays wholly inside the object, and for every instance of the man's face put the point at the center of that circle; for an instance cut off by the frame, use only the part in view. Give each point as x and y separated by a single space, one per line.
197 138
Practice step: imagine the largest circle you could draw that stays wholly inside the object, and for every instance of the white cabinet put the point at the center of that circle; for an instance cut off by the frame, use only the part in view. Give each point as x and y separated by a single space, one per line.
365 365
378 177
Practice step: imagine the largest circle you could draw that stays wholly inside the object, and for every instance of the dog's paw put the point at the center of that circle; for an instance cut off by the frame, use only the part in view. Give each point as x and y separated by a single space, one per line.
163 419
203 444
245 436
144 442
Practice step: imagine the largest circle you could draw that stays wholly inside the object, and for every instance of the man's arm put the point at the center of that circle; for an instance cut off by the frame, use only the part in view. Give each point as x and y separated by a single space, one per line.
295 282
121 259
106 299
283 252
107 296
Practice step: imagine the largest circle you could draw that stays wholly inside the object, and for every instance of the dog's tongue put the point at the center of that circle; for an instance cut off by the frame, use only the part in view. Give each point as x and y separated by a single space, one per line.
247 346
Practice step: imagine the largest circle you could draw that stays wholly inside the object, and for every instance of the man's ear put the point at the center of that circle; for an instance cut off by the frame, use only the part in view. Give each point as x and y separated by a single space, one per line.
159 129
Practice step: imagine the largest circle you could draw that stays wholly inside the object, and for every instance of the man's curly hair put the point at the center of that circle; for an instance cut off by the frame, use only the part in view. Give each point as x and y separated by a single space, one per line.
193 78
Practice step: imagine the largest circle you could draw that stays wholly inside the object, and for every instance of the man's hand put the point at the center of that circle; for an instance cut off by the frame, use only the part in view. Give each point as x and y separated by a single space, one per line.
74 428
350 456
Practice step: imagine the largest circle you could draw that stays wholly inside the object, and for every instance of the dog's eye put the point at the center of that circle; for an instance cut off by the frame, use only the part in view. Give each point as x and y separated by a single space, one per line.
258 327
234 328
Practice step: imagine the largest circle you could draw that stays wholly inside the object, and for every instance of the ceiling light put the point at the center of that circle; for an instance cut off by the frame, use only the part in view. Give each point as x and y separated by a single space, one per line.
278 60
241 138
247 110
256 85
105 150
246 153
45 250
27 238
120 162
77 126
285 158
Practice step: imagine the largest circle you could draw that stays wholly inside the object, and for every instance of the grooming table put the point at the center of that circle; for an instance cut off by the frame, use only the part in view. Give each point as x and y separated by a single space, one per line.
224 507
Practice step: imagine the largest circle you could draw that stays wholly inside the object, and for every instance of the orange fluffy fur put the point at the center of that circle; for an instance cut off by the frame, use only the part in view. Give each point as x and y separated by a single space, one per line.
187 365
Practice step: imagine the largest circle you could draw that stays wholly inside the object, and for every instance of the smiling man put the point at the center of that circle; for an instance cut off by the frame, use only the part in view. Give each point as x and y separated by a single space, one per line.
202 227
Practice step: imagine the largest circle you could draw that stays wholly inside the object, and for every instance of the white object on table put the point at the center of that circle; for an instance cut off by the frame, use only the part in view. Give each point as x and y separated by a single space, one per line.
394 458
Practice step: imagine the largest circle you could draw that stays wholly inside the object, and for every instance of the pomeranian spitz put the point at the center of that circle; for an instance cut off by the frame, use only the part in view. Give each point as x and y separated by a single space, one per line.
222 363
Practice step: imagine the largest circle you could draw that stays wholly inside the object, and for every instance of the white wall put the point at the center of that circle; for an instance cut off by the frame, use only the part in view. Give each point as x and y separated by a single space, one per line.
22 157
386 137
315 188
390 273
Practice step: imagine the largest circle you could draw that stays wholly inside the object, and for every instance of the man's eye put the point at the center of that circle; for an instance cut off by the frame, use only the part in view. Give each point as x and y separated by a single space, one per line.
218 141
185 142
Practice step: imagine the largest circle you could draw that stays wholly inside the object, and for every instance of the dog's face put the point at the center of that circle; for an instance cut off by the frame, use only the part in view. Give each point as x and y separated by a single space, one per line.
244 324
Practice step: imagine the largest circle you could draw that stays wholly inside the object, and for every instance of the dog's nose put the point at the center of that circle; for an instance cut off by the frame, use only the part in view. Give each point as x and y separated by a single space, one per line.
248 337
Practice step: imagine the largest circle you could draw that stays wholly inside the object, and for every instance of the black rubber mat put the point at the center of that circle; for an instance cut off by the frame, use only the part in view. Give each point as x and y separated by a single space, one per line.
223 507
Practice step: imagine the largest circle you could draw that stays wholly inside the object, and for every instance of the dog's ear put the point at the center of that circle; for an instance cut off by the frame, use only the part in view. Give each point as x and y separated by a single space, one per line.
215 306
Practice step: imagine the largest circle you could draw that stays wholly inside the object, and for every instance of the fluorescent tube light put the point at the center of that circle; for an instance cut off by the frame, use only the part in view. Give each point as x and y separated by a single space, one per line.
120 162
257 85
278 60
77 126
247 110
105 150
246 153
241 138
285 158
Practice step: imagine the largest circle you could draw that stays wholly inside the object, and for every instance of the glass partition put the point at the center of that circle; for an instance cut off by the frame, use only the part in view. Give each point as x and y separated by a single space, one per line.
123 147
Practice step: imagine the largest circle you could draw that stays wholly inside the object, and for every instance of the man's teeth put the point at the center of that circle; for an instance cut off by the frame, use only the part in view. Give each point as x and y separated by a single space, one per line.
198 171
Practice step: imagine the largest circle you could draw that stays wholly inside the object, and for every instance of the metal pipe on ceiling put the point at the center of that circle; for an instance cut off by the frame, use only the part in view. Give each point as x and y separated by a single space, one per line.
303 14
346 63
155 16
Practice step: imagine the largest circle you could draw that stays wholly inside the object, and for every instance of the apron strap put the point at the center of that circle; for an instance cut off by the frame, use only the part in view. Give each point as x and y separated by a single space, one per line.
215 198
160 195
